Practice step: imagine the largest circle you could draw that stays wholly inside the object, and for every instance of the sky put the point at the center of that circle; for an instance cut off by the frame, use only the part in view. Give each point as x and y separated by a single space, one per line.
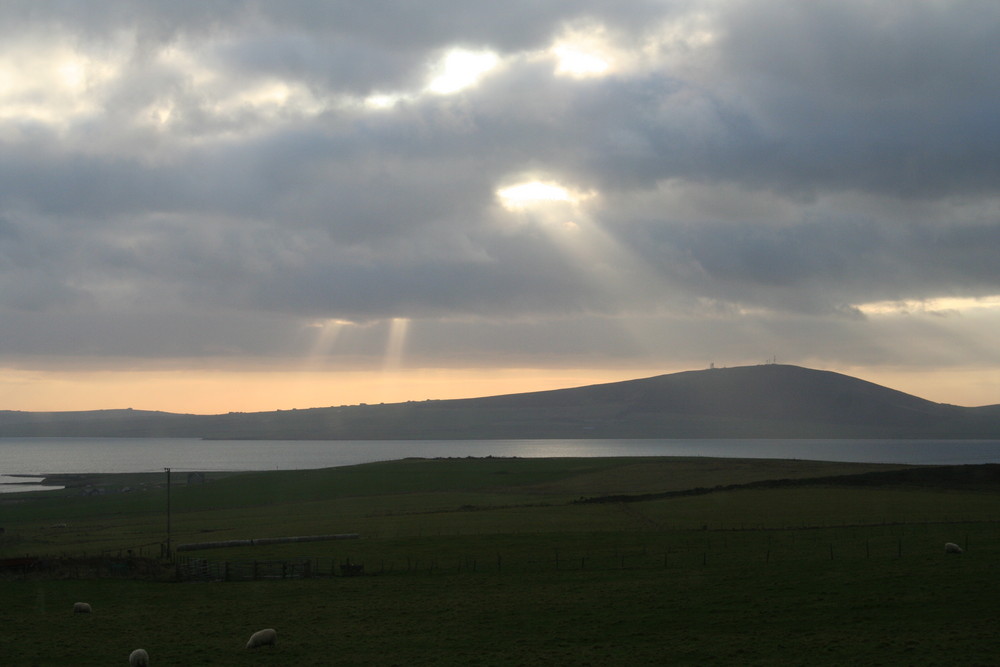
223 205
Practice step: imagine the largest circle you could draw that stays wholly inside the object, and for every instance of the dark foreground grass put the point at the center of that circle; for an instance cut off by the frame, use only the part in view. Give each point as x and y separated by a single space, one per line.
922 611
489 562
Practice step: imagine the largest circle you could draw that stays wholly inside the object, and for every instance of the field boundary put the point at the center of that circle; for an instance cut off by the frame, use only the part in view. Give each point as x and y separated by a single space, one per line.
264 541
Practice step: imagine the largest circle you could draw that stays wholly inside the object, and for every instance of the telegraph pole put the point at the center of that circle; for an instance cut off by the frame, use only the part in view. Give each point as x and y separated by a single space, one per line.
168 513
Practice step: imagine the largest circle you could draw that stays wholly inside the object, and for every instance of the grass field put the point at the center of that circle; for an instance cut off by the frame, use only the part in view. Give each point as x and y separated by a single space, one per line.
492 562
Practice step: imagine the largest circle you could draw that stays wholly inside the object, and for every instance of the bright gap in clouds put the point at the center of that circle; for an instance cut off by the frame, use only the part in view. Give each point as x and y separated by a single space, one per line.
533 192
583 51
461 69
940 306
381 101
579 63
50 86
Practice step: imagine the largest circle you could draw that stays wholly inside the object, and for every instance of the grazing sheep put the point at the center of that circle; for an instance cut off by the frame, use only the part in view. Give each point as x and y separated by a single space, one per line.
81 608
952 548
138 658
263 638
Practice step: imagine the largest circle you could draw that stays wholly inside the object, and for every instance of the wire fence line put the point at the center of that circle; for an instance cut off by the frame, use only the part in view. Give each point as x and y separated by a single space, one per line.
83 567
711 553
712 550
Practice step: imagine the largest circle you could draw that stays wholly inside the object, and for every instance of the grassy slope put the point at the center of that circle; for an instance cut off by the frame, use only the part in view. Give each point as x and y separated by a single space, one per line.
483 561
365 497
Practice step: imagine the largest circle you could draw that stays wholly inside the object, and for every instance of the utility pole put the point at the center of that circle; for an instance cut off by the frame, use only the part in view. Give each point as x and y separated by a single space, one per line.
169 553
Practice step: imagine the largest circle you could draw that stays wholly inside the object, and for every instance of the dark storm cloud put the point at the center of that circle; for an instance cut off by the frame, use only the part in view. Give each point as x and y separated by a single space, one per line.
890 97
823 266
229 165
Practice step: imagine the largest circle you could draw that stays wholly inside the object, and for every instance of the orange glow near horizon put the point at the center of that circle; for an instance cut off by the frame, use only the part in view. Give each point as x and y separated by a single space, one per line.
217 392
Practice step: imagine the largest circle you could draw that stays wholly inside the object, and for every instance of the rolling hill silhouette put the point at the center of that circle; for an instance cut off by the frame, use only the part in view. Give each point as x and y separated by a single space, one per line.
768 401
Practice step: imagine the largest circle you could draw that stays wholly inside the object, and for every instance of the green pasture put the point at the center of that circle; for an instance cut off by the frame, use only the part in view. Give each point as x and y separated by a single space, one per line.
493 562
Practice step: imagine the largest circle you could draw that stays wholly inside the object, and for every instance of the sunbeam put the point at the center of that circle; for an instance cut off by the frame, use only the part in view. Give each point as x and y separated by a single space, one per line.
396 344
327 332
612 272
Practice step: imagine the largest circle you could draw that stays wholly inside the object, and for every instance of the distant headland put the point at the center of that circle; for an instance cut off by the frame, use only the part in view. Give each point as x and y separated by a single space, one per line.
766 401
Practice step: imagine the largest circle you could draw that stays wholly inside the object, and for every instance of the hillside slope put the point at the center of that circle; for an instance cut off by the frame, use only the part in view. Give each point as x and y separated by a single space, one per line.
751 401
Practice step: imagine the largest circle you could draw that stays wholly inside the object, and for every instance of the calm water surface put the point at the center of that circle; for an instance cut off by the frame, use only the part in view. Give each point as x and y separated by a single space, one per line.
41 456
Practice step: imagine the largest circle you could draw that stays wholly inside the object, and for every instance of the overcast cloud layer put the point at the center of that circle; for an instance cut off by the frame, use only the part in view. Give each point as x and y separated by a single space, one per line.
714 180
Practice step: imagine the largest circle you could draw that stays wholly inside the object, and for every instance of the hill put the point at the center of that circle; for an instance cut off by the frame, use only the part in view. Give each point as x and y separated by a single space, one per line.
769 401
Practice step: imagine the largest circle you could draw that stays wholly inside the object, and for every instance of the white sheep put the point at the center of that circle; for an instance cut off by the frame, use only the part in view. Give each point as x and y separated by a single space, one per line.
952 548
266 637
138 658
81 608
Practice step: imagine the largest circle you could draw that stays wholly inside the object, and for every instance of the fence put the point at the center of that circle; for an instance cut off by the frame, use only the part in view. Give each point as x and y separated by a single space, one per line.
715 550
203 569
265 541
674 550
82 567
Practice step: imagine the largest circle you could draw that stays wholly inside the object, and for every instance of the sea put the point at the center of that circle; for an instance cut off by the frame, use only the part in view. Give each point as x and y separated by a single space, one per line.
25 461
